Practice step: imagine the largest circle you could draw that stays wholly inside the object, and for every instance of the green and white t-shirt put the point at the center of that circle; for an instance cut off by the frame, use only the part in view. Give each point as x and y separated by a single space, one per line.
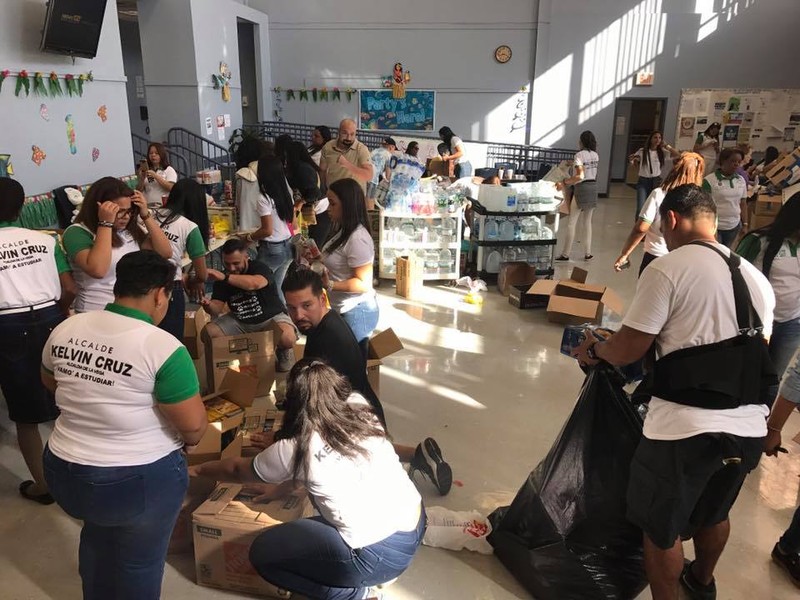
784 274
727 193
113 368
30 263
184 237
93 293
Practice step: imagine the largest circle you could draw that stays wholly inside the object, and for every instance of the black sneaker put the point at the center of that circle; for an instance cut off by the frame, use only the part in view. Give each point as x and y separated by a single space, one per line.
789 561
562 257
695 589
428 459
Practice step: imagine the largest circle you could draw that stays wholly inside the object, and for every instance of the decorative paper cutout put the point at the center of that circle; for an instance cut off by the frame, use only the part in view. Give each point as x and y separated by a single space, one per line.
95 154
39 88
102 112
38 155
55 85
73 148
398 81
23 83
6 170
43 112
223 81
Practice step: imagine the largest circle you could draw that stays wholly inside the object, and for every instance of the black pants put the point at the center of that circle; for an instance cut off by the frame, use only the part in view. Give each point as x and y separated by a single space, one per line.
319 232
646 260
173 320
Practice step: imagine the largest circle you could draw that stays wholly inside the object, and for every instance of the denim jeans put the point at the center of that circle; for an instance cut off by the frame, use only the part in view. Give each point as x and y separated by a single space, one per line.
277 256
362 320
310 558
644 187
463 169
173 320
22 337
128 514
726 237
783 343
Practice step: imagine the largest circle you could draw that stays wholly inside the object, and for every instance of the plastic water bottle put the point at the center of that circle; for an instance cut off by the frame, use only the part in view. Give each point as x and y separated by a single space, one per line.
445 261
492 230
493 262
507 230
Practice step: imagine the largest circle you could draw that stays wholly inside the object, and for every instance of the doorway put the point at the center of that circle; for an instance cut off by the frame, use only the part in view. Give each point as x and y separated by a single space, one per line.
634 120
247 71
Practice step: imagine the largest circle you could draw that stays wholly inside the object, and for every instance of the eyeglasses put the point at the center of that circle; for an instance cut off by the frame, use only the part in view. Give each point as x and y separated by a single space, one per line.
126 212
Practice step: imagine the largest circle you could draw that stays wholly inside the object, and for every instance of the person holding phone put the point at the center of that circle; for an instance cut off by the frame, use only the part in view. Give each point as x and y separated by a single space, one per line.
707 145
156 176
113 221
650 160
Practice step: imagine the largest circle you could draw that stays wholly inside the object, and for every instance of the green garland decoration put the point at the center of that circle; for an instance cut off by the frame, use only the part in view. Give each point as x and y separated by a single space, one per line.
39 89
336 94
23 83
349 92
289 95
72 86
323 94
3 74
314 94
55 85
304 95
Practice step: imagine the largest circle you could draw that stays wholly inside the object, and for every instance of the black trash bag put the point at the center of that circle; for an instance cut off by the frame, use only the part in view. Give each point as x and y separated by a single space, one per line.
565 535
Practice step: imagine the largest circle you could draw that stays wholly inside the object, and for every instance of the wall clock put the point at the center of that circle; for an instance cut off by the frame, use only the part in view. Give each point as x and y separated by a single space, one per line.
502 54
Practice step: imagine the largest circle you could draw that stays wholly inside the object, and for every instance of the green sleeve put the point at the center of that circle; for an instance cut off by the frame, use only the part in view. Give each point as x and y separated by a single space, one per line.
706 186
176 380
750 247
699 139
194 244
77 239
62 264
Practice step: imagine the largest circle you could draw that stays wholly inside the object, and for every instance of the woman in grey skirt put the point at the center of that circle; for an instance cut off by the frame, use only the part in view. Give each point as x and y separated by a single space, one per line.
584 200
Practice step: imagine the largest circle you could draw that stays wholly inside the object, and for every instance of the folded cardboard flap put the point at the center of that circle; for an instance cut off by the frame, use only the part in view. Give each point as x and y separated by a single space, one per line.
241 506
251 353
384 344
515 273
193 323
573 301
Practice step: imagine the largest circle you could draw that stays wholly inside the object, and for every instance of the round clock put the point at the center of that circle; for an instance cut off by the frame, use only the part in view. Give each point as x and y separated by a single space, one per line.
502 54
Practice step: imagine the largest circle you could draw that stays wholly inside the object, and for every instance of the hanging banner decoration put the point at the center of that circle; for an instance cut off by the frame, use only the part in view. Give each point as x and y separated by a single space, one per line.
39 88
37 155
23 83
43 112
55 85
379 110
73 148
102 112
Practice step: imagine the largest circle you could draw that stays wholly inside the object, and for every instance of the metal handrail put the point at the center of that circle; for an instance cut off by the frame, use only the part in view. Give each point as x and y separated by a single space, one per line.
201 153
176 158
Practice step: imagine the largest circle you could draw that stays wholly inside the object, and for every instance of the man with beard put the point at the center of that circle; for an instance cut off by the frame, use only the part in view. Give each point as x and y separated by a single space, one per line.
346 157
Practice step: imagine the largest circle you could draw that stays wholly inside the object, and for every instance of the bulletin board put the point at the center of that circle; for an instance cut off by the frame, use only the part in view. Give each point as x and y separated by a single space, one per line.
759 117
378 110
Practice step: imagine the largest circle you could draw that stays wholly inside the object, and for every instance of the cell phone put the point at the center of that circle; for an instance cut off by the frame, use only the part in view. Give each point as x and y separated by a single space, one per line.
625 265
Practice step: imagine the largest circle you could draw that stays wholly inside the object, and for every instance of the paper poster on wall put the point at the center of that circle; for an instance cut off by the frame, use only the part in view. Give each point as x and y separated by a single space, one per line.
221 134
730 133
794 118
744 135
701 105
687 127
734 118
220 121
788 134
226 120
209 126
378 110
701 123
734 104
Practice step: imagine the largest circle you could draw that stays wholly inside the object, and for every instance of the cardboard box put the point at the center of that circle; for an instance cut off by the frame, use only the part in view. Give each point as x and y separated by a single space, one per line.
408 277
436 166
225 526
518 296
251 353
759 221
785 170
193 323
381 345
573 302
223 220
515 273
767 205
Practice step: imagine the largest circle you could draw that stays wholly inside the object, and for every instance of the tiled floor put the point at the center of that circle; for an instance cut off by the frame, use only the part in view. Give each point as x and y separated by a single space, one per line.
491 386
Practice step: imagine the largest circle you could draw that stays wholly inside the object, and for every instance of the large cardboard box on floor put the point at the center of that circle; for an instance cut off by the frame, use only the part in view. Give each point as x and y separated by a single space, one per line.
767 206
251 353
515 273
193 323
573 301
381 345
408 276
225 526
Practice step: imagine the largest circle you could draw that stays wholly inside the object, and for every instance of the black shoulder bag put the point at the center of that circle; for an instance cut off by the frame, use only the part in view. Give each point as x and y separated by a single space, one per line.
726 374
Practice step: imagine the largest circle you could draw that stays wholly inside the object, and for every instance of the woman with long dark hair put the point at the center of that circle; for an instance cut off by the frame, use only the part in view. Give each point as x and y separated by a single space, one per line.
773 249
108 227
319 137
650 160
708 146
304 178
275 212
184 220
371 516
458 153
156 175
348 255
689 168
584 199
757 171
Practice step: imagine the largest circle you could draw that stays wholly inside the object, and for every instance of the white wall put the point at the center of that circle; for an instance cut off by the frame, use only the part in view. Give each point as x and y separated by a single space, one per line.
447 45
588 53
20 34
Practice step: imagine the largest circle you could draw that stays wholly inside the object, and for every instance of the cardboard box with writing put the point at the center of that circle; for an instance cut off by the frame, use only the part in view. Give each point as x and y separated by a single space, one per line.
519 296
251 353
785 170
381 345
767 205
408 276
193 323
515 273
573 301
225 526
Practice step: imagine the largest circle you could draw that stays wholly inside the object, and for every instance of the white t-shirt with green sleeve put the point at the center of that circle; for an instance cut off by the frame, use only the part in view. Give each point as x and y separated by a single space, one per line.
113 368
184 237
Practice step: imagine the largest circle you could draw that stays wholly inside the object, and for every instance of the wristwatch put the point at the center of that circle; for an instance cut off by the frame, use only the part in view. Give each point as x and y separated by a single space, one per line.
591 353
227 276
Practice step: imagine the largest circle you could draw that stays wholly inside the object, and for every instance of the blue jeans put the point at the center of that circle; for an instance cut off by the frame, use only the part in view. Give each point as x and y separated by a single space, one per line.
726 237
310 558
173 320
783 343
644 187
128 514
463 169
277 256
362 320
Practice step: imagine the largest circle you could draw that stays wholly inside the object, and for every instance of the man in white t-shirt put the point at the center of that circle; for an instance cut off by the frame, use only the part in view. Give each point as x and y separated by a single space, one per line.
692 461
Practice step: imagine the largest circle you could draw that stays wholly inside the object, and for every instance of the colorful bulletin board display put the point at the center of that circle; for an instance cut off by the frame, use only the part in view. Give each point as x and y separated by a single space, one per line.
759 117
378 110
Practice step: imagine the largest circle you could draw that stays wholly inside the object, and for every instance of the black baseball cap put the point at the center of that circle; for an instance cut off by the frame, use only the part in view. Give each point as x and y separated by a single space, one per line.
390 141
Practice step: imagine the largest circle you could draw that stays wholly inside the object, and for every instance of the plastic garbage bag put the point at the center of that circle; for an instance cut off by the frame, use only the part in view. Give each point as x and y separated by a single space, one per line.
456 530
565 535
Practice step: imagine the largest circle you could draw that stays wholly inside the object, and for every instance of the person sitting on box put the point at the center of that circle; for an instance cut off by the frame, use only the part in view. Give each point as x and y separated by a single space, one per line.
246 289
371 517
329 338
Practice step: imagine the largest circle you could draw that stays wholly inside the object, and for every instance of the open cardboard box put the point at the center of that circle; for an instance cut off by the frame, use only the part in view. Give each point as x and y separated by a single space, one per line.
515 273
225 526
573 301
785 170
251 353
381 345
193 323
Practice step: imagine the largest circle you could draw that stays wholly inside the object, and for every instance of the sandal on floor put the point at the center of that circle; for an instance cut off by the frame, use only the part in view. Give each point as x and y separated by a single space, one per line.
40 498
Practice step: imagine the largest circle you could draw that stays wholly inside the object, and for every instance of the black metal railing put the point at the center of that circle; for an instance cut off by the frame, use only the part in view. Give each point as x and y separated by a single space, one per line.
176 157
200 153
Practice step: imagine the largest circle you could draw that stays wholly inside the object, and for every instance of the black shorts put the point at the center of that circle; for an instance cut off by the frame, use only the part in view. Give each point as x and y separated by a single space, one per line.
679 486
22 337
